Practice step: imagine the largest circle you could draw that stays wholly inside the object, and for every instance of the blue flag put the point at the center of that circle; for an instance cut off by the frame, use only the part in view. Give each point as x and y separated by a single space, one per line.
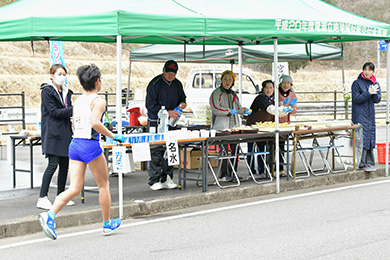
57 53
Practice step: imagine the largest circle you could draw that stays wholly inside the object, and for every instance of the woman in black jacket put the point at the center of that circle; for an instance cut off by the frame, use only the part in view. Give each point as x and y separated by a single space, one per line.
56 131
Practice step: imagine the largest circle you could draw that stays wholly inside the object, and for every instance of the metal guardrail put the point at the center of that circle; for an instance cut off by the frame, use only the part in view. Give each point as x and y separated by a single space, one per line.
22 108
331 104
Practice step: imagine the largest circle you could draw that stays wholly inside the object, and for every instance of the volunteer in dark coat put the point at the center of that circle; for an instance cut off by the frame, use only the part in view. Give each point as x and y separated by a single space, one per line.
365 93
259 114
263 110
163 90
56 131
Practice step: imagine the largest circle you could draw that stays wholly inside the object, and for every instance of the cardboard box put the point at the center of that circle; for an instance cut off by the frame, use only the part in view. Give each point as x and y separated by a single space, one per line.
213 162
193 158
140 166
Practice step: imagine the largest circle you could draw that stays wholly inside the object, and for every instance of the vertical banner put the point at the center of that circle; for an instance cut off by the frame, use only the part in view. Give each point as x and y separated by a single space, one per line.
281 70
57 53
119 159
172 152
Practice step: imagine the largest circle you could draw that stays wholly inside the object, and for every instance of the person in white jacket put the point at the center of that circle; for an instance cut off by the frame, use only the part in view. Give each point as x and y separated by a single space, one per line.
226 107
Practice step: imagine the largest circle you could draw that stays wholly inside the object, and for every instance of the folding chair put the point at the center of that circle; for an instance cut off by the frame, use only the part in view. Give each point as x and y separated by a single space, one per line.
222 156
301 153
252 155
334 149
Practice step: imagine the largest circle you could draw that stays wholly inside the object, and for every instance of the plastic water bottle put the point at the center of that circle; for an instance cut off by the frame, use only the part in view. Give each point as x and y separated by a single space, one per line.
162 120
173 121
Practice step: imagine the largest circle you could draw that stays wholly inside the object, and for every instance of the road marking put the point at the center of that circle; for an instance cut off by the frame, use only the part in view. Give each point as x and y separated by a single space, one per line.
197 213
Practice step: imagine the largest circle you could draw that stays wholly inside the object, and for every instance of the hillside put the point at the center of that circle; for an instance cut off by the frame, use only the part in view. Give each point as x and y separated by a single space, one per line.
23 68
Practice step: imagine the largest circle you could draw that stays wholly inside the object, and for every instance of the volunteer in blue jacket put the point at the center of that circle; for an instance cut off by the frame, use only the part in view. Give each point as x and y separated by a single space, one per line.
163 90
365 93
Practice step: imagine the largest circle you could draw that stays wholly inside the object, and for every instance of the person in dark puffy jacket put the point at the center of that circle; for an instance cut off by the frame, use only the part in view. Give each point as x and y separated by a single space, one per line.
259 107
56 131
365 93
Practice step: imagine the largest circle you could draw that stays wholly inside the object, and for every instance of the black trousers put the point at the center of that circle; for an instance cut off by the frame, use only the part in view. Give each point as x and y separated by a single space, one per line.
226 169
158 168
367 159
54 162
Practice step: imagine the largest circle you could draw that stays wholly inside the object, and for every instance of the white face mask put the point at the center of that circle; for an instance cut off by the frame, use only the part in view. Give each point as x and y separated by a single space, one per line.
60 80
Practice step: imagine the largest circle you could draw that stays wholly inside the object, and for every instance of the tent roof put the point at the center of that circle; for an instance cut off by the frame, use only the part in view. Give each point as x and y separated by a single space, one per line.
226 53
201 21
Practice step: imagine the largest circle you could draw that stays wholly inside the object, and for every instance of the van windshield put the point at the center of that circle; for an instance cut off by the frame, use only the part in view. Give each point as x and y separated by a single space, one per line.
204 80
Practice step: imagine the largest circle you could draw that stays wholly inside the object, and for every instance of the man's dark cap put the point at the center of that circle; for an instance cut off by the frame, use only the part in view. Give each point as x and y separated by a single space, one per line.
171 66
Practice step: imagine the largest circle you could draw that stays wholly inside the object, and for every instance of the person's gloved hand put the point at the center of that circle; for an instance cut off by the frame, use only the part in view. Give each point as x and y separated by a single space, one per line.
373 89
248 111
287 110
293 101
119 138
285 101
284 111
233 111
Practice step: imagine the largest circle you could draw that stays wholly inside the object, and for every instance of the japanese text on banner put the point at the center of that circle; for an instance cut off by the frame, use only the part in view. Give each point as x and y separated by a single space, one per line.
173 152
118 159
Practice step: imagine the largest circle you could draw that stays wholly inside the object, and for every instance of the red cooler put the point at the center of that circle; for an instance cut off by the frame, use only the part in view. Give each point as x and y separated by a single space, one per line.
134 114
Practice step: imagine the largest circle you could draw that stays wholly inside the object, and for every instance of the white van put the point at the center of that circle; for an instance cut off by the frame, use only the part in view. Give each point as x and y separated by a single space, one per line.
202 82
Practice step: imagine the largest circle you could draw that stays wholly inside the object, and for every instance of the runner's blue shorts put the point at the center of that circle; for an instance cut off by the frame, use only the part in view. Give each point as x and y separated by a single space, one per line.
84 150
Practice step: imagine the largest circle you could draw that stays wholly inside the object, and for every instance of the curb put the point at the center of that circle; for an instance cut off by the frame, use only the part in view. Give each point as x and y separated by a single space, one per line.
30 224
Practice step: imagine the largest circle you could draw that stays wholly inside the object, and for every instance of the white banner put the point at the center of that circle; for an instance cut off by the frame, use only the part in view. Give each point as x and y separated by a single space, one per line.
141 152
172 152
120 162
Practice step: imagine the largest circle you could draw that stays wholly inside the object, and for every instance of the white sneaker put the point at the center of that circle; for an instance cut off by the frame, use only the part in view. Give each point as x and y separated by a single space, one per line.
262 176
70 203
44 203
169 184
157 186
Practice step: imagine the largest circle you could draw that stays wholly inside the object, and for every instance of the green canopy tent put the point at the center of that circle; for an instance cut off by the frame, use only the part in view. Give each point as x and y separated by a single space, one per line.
210 22
229 54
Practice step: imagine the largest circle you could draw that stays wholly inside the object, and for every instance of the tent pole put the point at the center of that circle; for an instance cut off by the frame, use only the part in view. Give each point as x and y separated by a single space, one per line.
128 86
240 71
344 90
119 112
387 106
276 96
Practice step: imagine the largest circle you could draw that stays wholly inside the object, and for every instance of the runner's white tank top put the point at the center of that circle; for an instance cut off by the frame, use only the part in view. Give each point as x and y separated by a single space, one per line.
82 117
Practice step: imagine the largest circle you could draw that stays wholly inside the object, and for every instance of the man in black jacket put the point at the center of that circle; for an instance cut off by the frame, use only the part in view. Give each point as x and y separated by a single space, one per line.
163 90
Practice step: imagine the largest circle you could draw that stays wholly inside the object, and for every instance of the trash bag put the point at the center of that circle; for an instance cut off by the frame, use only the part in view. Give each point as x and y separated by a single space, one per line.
358 143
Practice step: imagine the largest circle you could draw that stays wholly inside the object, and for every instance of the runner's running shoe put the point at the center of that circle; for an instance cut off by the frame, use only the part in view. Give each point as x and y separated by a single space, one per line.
114 225
48 225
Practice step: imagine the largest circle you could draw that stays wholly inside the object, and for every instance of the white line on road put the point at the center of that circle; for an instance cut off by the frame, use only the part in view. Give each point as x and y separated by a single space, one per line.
197 213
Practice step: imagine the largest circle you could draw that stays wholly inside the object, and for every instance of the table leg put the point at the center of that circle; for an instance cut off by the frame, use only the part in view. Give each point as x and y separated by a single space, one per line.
13 160
32 163
294 155
354 148
205 168
288 158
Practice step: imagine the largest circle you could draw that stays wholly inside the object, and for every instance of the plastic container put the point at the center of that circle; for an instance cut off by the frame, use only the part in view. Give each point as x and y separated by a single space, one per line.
381 148
162 120
173 121
134 115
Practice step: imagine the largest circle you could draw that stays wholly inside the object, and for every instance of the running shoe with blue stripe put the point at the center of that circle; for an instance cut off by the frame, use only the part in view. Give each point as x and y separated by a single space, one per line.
48 225
114 225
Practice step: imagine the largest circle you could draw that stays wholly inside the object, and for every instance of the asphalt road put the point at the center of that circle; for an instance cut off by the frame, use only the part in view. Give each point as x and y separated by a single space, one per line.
340 222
